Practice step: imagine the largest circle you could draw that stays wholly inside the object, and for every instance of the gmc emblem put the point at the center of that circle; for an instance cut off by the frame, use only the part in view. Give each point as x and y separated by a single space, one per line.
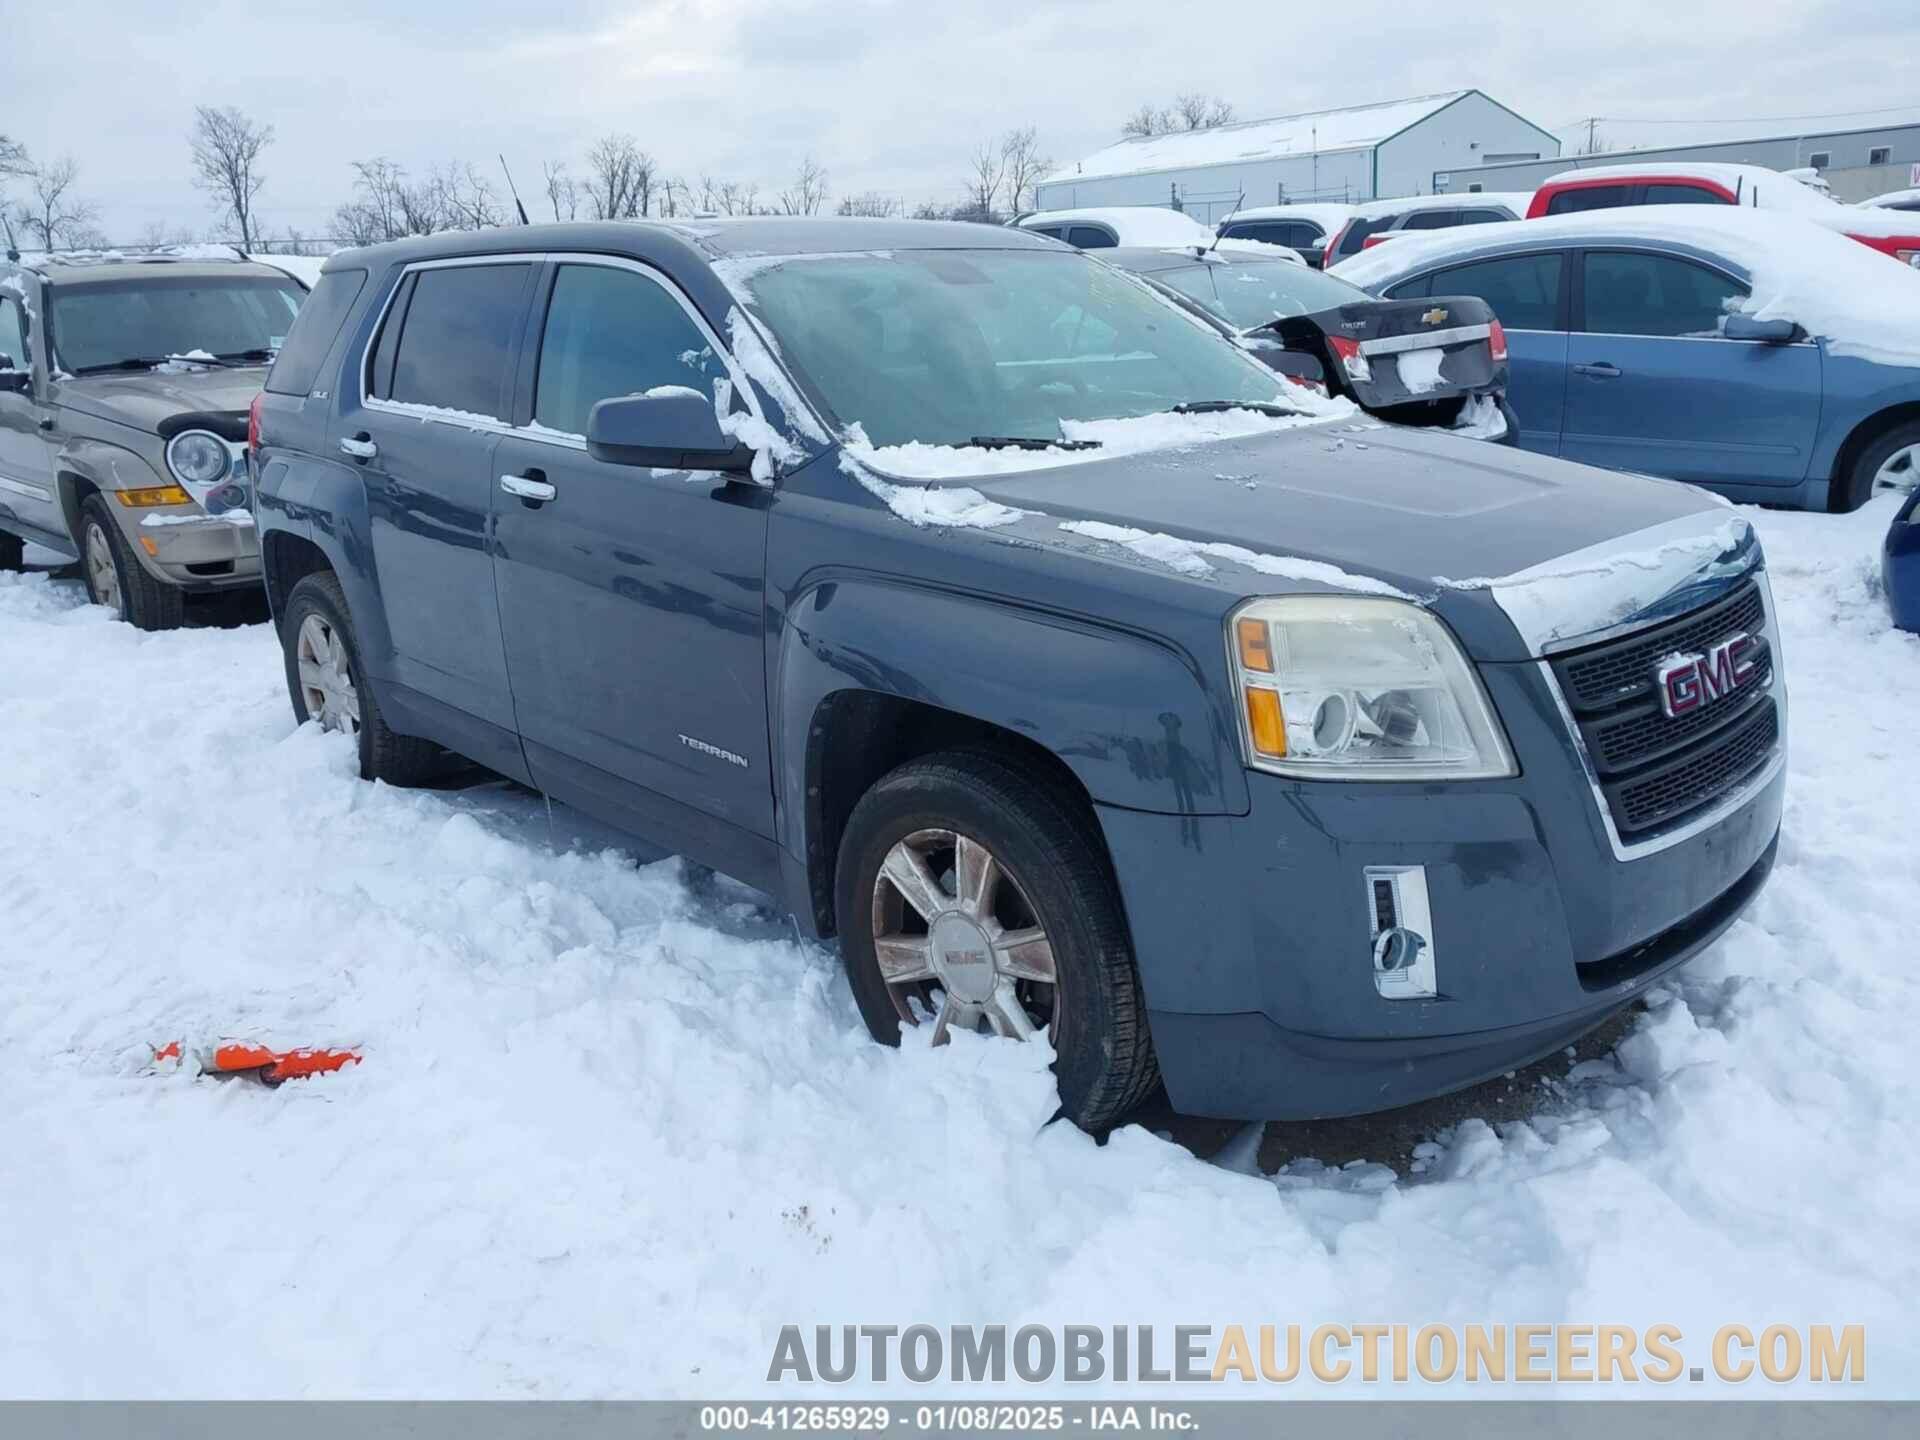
1688 682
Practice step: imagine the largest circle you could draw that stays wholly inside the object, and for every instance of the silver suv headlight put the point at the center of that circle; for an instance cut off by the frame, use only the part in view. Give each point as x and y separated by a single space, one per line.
1360 688
198 457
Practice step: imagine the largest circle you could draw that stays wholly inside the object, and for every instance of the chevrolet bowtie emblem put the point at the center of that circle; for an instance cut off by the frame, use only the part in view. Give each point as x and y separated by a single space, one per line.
1433 316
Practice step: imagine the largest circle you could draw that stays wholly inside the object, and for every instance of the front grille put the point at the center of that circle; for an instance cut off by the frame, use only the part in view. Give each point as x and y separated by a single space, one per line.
1654 769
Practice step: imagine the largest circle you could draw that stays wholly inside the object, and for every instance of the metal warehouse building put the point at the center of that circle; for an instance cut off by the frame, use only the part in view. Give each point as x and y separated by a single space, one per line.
1359 152
1856 164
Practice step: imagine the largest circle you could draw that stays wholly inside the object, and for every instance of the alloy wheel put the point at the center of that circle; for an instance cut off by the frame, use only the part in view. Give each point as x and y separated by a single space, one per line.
948 918
103 577
1899 471
326 682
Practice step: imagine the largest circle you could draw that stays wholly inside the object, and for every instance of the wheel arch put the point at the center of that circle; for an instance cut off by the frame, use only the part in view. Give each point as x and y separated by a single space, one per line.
285 560
1864 434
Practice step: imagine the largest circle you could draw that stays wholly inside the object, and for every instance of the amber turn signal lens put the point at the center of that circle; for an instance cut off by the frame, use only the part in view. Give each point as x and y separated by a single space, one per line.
1256 648
1265 723
153 495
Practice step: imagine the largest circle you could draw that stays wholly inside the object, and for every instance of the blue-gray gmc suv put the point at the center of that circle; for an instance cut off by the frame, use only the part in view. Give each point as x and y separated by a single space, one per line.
999 617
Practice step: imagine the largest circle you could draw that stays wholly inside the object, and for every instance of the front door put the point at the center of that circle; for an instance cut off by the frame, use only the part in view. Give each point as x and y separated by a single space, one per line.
26 467
631 601
437 398
1654 387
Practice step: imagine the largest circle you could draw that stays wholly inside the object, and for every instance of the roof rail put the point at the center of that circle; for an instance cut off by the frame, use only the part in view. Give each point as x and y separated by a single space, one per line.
160 255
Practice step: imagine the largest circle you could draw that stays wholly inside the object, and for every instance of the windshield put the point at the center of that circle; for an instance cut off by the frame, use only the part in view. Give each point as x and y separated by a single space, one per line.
104 326
949 347
1249 295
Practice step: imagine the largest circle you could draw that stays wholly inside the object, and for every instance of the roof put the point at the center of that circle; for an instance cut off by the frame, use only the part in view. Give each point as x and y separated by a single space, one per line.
755 235
109 271
1765 189
1327 217
1514 200
1863 304
1131 224
1892 197
1352 127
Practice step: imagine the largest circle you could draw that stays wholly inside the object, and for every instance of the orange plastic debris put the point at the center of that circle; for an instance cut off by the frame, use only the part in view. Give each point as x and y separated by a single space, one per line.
169 1051
271 1066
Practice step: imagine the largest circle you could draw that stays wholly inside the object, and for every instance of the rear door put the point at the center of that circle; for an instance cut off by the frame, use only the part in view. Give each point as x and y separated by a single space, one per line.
437 388
1528 296
26 465
632 599
1654 387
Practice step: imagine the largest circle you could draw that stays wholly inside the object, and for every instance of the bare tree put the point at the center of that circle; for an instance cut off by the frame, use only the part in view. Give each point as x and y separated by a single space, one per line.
1147 120
808 192
158 235
384 205
675 196
620 179
1194 111
51 213
934 210
871 203
13 158
986 170
1023 165
227 145
466 198
729 197
563 193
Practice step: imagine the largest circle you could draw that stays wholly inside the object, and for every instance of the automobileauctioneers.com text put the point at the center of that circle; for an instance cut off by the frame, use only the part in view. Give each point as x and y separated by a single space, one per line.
1330 1354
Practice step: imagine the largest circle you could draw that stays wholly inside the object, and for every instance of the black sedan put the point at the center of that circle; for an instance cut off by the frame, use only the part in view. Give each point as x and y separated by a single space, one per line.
1427 362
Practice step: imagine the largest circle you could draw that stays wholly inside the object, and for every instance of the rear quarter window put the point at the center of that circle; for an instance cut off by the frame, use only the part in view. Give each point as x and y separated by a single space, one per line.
1524 290
314 330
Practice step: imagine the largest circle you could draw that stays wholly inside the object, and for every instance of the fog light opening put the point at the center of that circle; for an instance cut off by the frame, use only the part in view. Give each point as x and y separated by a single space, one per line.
1400 932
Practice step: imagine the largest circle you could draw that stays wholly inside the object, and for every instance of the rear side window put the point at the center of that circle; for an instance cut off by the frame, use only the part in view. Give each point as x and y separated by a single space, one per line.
1297 234
1524 290
314 330
1432 220
614 332
1354 238
1590 197
1484 217
457 340
1683 195
13 335
1628 294
1089 237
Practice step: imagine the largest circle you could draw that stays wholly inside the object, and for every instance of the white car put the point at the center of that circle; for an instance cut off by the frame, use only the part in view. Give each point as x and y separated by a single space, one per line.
1894 200
1142 227
1304 229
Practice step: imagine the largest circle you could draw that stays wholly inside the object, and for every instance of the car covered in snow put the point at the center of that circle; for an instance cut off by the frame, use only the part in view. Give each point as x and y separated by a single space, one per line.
1379 221
995 615
1895 200
1304 229
1608 187
1103 227
1751 352
124 390
1427 362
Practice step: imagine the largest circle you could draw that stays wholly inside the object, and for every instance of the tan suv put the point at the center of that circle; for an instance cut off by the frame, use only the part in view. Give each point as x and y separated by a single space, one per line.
124 389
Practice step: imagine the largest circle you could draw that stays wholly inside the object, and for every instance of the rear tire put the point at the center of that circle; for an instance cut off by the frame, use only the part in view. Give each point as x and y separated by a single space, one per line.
1894 455
328 684
1049 878
13 551
117 580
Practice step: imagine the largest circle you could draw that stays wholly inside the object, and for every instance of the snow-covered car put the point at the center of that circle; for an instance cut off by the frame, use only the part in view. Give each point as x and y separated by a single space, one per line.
1103 227
1430 363
1605 187
124 389
1304 229
1900 565
1749 351
996 616
1895 200
1378 221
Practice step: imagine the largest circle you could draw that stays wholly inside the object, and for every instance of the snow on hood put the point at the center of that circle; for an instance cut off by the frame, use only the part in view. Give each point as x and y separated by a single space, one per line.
1863 303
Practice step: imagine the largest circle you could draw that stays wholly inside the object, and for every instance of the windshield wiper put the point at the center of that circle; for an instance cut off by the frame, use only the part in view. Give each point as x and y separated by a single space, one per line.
1214 407
132 362
246 357
1027 442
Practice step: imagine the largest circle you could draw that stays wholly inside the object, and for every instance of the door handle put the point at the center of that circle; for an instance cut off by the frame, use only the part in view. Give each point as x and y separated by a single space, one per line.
360 447
532 487
1600 370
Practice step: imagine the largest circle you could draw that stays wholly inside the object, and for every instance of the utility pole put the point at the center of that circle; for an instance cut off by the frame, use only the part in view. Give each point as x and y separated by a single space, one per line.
1592 121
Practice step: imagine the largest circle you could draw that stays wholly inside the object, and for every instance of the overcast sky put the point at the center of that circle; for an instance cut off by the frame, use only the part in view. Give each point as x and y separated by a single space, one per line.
886 94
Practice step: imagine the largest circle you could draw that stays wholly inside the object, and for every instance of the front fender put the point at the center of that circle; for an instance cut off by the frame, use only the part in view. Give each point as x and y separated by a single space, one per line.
1129 714
103 466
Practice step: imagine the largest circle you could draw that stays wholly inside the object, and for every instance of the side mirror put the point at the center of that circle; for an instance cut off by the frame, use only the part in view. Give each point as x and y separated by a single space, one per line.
672 428
1739 326
17 382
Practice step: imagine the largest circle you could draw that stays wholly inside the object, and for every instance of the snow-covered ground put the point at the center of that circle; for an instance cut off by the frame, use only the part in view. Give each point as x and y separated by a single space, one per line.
613 1129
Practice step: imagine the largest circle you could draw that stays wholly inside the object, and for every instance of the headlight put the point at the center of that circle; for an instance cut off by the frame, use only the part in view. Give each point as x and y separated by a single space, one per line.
199 457
1361 688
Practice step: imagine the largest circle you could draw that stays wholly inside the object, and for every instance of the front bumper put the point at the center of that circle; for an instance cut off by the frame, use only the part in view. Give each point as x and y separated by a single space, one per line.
1253 940
192 550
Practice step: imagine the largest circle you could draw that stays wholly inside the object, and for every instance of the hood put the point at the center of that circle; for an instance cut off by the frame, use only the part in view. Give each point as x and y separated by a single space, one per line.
145 399
1370 507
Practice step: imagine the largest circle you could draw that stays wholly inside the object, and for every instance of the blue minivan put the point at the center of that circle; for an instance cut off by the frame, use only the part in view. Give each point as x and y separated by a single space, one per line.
1001 619
1642 340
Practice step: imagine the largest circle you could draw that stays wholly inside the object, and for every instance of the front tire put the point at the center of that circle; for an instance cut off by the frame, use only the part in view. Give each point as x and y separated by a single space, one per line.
973 893
116 580
328 684
1890 463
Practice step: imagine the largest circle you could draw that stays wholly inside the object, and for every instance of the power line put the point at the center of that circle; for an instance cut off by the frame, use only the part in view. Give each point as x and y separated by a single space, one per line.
1733 119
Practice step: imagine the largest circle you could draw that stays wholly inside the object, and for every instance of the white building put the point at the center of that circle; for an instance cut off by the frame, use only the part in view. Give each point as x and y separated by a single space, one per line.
1360 152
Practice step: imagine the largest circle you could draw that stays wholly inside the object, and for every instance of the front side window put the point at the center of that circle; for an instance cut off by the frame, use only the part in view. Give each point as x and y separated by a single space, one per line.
13 335
613 332
1524 290
1683 195
946 347
132 324
1589 197
1635 294
456 341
